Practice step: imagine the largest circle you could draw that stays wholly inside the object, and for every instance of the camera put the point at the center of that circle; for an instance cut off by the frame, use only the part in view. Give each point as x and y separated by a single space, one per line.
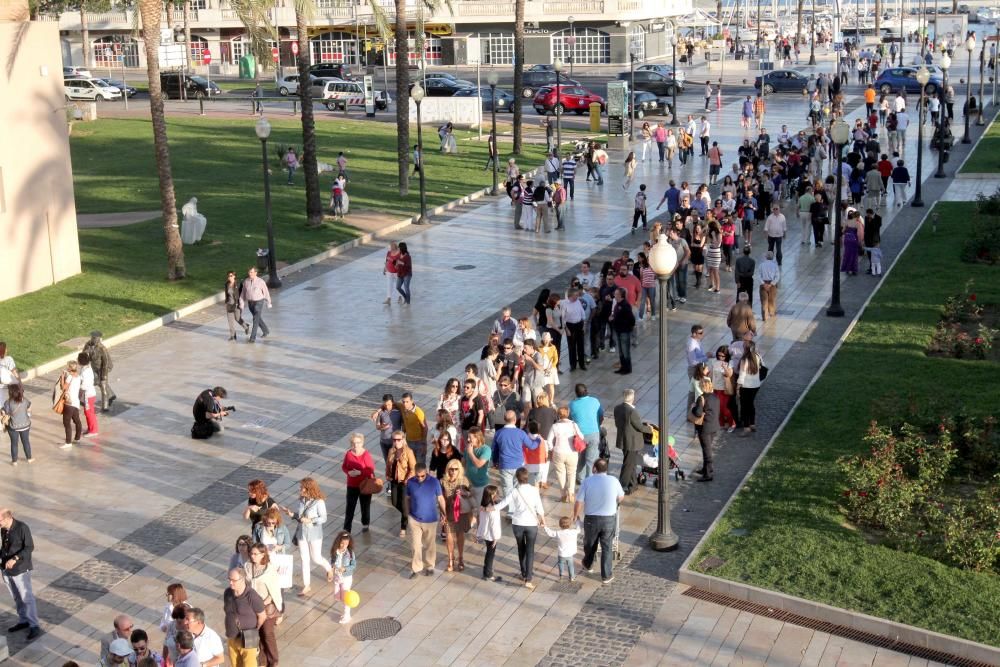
231 408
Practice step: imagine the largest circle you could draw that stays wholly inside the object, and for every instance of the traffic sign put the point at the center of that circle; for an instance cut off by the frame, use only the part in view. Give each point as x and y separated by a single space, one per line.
274 53
206 57
295 48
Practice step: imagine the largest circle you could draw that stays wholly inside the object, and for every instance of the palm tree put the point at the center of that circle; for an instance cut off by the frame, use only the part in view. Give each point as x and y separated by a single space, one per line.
85 34
878 17
150 10
187 31
304 10
798 25
518 71
402 97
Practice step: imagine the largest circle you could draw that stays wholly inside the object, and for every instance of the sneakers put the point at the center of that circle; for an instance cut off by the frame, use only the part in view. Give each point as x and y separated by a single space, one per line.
14 463
34 633
68 445
92 434
18 627
530 586
345 619
608 580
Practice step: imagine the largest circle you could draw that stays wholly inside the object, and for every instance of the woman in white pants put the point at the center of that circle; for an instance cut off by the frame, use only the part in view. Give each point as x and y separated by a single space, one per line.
389 271
311 515
564 457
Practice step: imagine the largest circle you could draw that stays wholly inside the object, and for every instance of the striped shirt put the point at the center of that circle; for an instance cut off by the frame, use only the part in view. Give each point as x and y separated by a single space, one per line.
526 196
648 277
255 289
569 168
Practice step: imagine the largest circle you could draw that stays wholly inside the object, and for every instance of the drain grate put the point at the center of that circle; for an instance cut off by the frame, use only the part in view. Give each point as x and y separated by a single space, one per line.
311 288
568 587
372 629
830 628
464 267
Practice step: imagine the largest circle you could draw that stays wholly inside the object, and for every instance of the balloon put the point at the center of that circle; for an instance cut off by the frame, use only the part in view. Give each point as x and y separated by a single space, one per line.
352 599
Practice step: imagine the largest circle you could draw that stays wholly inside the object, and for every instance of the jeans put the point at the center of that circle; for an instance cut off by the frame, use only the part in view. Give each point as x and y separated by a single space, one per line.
25 442
651 293
660 148
568 564
639 214
599 168
681 281
506 481
585 466
748 409
624 350
525 537
19 586
291 174
774 245
570 185
598 531
491 552
353 495
257 310
403 287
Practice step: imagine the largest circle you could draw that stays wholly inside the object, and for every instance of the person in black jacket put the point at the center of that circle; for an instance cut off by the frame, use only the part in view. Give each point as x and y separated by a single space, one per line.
623 322
15 558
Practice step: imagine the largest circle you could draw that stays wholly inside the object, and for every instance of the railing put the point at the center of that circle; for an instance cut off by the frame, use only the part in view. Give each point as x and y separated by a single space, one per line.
484 8
567 7
630 5
113 16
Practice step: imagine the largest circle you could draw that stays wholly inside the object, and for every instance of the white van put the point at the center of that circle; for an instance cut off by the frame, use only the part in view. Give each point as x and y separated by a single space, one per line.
340 94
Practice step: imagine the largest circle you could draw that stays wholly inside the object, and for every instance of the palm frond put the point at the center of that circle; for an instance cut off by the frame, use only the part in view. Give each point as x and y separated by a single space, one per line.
255 17
383 26
307 9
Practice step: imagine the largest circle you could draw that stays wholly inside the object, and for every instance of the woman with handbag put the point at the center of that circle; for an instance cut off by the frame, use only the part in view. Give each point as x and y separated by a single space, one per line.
704 414
748 383
16 418
565 457
458 505
262 576
311 515
399 469
234 314
67 403
360 470
8 372
725 386
272 534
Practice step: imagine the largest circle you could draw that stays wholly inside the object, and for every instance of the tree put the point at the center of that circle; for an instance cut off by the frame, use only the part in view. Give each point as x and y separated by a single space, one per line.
187 30
310 169
519 71
878 17
798 25
149 11
402 98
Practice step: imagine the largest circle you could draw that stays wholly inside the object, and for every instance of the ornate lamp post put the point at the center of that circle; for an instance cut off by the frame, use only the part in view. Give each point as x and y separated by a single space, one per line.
263 130
663 261
982 76
970 46
945 66
840 133
417 95
492 79
923 76
572 45
558 67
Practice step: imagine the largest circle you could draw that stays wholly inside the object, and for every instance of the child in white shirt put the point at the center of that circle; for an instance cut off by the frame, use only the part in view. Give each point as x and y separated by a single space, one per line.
567 536
489 528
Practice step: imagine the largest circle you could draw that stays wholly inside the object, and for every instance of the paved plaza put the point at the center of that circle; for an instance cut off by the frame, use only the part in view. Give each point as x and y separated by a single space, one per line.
118 518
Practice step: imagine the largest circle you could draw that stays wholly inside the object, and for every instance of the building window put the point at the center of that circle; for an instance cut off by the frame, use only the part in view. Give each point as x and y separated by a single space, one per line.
199 46
334 47
240 46
496 48
637 42
589 46
432 50
107 51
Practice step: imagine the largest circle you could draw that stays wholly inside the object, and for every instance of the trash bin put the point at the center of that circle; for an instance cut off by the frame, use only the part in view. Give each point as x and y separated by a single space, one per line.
261 260
595 117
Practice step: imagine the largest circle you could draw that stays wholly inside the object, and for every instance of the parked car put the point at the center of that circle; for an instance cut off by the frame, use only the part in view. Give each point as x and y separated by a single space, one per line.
73 71
895 78
654 82
782 81
443 87
573 98
538 79
542 67
646 103
505 100
194 86
90 89
331 70
120 85
288 85
339 94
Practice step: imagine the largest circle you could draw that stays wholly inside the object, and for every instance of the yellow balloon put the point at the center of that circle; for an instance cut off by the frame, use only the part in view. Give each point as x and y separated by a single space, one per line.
352 599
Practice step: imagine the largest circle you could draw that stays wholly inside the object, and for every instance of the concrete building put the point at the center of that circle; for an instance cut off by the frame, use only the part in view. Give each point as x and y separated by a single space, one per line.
37 210
590 32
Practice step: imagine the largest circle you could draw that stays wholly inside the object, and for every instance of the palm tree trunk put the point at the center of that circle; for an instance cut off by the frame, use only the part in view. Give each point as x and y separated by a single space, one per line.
518 71
798 25
85 34
314 206
402 99
187 32
878 18
170 14
150 11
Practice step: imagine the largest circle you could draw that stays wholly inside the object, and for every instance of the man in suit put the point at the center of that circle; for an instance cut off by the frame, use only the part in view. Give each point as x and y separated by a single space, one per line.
630 429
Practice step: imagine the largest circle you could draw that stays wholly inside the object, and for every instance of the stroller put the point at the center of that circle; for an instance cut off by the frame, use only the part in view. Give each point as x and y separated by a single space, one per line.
651 458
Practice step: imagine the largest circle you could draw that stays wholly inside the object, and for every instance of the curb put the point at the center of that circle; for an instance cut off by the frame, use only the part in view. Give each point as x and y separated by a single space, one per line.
219 297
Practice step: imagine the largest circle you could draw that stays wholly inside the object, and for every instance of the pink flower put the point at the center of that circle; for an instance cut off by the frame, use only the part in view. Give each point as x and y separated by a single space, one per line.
972 297
920 533
863 494
978 341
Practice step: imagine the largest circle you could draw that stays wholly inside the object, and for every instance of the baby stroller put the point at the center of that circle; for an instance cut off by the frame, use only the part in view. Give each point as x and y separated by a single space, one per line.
651 458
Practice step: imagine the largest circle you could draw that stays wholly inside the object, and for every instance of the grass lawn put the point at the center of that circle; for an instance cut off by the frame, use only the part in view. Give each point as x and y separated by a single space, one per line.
986 157
798 541
123 281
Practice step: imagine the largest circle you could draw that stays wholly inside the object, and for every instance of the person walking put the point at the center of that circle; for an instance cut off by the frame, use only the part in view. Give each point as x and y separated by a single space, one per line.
68 391
15 414
630 165
748 383
660 135
234 313
587 413
262 576
708 95
8 371
900 181
769 273
291 164
776 227
705 412
623 324
400 468
560 440
743 272
310 515
16 548
575 320
244 615
526 514
389 271
569 175
89 394
426 508
459 505
358 466
597 505
102 363
404 273
630 429
494 157
253 295
704 135
647 140
259 501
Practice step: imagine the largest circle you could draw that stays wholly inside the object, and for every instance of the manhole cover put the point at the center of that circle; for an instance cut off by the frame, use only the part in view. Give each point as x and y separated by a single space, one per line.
464 267
371 629
711 563
568 587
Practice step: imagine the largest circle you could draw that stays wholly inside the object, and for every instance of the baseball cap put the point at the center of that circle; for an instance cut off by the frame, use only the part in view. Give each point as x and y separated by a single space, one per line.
121 648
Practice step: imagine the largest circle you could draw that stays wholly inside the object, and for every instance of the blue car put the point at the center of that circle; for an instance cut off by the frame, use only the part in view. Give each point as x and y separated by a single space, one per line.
894 79
505 101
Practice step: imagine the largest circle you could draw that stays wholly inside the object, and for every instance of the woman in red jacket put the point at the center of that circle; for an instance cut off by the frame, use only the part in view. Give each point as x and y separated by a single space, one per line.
404 272
358 466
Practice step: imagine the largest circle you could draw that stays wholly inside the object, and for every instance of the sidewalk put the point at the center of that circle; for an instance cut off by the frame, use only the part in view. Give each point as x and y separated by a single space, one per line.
118 518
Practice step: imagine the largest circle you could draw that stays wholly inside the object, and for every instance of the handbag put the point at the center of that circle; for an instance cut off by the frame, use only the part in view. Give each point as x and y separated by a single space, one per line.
250 638
4 419
697 420
730 387
59 404
579 444
371 486
763 369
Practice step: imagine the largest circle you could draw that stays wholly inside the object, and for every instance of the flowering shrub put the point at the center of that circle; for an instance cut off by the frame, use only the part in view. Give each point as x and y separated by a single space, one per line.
983 244
961 333
964 307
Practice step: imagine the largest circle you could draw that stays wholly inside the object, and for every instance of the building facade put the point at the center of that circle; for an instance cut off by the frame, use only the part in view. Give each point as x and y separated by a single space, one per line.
588 32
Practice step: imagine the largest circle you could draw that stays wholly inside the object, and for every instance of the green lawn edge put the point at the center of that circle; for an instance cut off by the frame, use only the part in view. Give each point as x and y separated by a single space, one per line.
798 541
123 282
985 159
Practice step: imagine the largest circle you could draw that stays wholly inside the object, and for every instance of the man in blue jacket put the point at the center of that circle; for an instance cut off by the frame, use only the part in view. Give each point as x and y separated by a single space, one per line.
509 444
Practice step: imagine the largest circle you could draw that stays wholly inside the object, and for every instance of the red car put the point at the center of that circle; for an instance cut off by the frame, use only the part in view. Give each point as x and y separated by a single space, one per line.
571 98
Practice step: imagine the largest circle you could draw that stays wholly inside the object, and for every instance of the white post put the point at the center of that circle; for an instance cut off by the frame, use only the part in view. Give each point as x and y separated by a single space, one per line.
478 88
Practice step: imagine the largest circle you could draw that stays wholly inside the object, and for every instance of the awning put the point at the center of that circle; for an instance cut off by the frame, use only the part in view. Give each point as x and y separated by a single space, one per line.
697 19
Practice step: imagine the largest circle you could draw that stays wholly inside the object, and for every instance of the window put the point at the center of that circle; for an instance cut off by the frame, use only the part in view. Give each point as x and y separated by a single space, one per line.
240 46
107 50
432 50
589 46
334 47
637 42
497 48
199 46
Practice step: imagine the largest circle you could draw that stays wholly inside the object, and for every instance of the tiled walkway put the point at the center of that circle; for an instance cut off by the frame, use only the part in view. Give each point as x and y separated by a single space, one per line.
118 518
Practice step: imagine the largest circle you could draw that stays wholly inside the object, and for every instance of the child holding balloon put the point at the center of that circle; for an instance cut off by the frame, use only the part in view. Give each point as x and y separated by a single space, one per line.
343 562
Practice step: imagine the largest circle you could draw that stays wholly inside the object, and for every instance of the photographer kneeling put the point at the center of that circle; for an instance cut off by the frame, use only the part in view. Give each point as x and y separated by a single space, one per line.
208 413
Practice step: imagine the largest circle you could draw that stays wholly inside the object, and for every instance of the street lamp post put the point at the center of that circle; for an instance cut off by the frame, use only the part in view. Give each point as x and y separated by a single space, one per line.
982 76
839 132
417 94
673 58
263 130
631 92
572 45
923 76
970 46
901 40
558 67
812 36
492 79
663 261
945 66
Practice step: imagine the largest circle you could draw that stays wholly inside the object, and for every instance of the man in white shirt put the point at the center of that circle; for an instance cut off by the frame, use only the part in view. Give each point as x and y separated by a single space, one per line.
902 122
207 643
253 295
769 274
705 134
586 278
552 167
575 318
597 502
775 227
899 104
